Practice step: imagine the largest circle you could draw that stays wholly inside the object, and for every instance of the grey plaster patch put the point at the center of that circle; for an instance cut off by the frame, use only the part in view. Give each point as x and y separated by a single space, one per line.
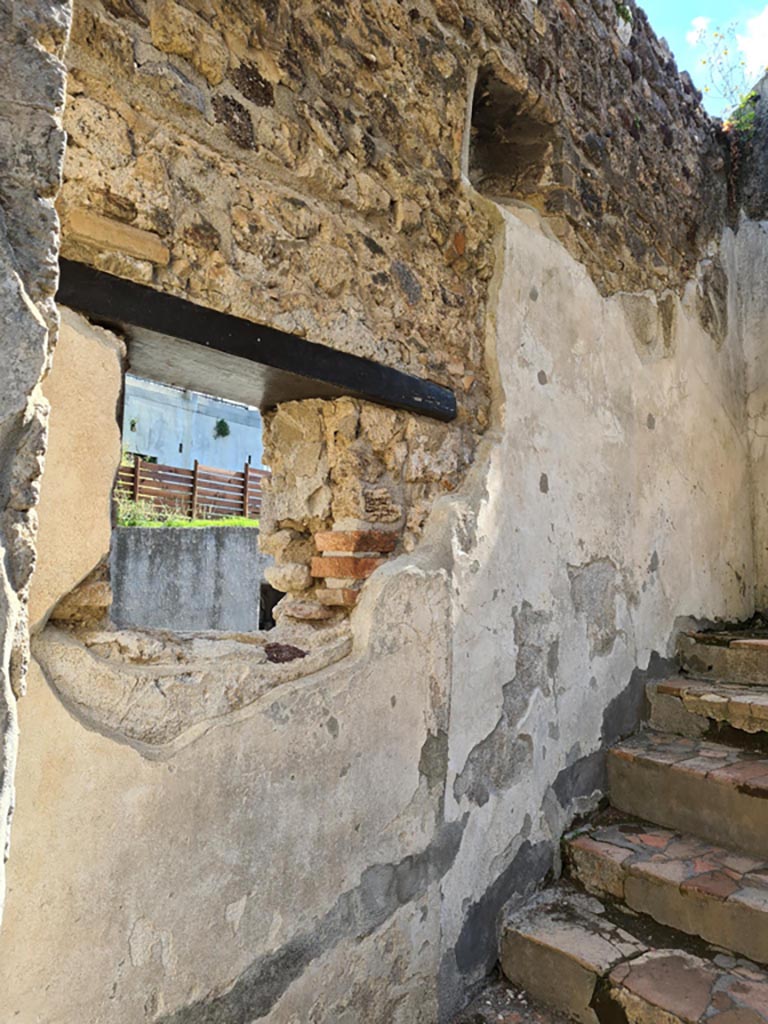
581 778
433 761
622 716
593 592
667 307
651 324
712 299
502 756
544 483
553 659
493 764
356 914
651 421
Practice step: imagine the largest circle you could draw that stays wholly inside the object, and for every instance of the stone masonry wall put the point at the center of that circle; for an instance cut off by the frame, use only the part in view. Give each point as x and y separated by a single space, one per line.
322 168
301 164
326 831
32 76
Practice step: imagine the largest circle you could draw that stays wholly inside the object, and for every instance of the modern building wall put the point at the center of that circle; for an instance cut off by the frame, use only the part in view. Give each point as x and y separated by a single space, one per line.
176 427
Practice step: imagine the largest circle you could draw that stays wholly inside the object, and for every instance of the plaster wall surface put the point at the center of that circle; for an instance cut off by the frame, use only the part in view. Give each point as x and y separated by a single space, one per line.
746 253
746 257
75 510
338 848
294 841
187 579
613 501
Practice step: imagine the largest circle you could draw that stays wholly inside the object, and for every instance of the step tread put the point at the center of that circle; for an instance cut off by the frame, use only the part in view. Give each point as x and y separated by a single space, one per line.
573 924
685 986
734 638
734 657
676 858
744 705
743 769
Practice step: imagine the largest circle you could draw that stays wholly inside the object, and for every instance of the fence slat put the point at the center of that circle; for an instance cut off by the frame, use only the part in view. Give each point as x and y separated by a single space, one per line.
194 490
162 467
202 491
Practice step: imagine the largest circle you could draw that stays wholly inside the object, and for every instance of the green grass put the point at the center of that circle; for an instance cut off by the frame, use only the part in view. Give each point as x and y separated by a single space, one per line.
195 524
146 514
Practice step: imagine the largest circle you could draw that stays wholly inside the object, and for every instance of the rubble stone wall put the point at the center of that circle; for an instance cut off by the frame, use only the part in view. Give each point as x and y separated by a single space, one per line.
321 168
32 77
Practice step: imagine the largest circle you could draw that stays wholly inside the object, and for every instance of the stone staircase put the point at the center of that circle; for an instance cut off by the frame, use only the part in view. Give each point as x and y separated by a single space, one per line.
662 915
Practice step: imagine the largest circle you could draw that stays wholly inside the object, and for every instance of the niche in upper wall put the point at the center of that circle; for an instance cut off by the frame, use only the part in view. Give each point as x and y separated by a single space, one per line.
511 144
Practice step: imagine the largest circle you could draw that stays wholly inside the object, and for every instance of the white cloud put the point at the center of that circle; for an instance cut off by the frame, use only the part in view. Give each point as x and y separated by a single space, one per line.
698 27
754 46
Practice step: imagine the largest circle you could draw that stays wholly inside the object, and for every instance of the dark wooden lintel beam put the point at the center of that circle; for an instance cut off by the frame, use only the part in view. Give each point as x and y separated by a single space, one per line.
113 300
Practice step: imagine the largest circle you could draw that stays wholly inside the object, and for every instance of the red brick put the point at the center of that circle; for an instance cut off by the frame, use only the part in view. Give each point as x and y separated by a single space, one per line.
342 568
382 541
715 883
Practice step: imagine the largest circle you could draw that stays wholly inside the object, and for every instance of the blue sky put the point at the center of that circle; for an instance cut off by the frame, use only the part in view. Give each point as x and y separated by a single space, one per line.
680 21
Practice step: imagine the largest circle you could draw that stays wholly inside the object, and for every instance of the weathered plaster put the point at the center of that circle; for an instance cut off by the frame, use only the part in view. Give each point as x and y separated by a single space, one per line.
338 847
204 836
158 691
84 389
746 253
190 889
561 593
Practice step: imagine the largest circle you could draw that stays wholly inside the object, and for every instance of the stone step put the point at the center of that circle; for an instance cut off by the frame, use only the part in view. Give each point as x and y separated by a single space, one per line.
696 707
735 657
711 790
577 955
679 880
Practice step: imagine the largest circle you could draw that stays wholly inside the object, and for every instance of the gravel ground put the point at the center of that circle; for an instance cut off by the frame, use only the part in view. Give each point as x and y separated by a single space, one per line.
501 1003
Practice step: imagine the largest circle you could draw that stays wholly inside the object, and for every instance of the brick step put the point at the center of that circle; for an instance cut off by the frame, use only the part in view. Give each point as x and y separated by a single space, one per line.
696 707
735 657
679 880
580 956
711 790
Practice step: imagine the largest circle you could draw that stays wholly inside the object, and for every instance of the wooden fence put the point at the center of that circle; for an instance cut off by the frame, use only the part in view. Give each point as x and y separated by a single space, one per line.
199 493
